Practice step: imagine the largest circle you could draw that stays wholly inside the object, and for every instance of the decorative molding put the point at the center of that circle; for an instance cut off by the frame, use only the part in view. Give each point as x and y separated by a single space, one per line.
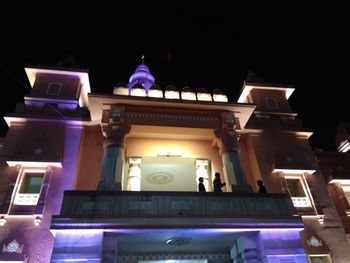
171 117
159 178
112 122
13 247
314 242
179 241
155 256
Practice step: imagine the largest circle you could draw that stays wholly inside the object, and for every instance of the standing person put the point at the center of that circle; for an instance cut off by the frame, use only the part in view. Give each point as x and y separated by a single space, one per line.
201 187
262 188
217 183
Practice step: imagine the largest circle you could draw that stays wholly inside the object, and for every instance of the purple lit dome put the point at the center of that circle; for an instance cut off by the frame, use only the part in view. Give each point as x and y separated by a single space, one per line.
143 76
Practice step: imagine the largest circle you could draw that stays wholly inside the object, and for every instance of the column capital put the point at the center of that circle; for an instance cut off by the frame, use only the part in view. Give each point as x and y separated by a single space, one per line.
229 121
113 126
227 140
135 160
228 134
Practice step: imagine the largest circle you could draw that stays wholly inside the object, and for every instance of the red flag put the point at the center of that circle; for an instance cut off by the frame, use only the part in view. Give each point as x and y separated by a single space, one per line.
169 58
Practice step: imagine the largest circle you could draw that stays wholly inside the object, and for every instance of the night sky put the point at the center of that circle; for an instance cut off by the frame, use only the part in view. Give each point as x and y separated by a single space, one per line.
211 46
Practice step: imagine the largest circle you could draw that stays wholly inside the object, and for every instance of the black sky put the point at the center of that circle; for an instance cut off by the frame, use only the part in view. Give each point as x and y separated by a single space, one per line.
212 45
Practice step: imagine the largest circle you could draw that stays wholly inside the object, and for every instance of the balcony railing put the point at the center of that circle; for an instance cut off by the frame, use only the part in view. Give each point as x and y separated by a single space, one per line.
79 204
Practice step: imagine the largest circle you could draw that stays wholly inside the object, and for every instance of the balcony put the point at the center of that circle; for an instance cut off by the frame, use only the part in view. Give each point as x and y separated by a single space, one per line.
131 209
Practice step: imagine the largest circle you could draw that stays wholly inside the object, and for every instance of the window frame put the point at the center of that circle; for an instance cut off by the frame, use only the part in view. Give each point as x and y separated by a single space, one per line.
327 256
302 201
28 199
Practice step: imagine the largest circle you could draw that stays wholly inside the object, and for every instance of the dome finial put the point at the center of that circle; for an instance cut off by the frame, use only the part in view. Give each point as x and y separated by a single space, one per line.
142 76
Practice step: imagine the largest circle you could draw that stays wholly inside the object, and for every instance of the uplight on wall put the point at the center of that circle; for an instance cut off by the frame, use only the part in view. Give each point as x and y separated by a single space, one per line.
37 220
2 221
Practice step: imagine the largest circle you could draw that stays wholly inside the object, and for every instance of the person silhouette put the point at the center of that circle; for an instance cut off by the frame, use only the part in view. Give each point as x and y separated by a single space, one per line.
201 187
262 188
217 183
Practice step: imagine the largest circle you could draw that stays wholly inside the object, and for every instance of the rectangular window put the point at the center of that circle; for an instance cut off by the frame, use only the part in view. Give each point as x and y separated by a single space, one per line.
297 189
54 88
31 183
29 187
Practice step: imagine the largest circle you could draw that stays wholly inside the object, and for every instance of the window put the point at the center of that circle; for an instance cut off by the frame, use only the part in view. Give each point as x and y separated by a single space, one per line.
31 183
29 188
271 103
54 88
297 190
320 259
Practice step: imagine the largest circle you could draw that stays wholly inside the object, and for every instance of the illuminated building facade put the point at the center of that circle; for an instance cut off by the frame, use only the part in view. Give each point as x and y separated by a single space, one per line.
113 177
335 167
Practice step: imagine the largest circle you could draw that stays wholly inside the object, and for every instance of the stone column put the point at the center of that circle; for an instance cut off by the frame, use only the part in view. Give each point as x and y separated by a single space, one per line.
134 178
113 157
202 171
230 154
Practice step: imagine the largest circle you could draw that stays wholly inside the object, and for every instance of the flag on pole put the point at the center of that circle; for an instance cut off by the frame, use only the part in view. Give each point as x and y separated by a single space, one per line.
169 58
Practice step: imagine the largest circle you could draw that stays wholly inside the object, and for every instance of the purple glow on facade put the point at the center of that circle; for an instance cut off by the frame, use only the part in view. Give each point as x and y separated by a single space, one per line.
77 246
202 230
37 243
283 245
63 223
272 244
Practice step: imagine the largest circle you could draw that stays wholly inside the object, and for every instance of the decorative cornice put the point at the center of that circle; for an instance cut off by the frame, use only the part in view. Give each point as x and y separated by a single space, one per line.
166 116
